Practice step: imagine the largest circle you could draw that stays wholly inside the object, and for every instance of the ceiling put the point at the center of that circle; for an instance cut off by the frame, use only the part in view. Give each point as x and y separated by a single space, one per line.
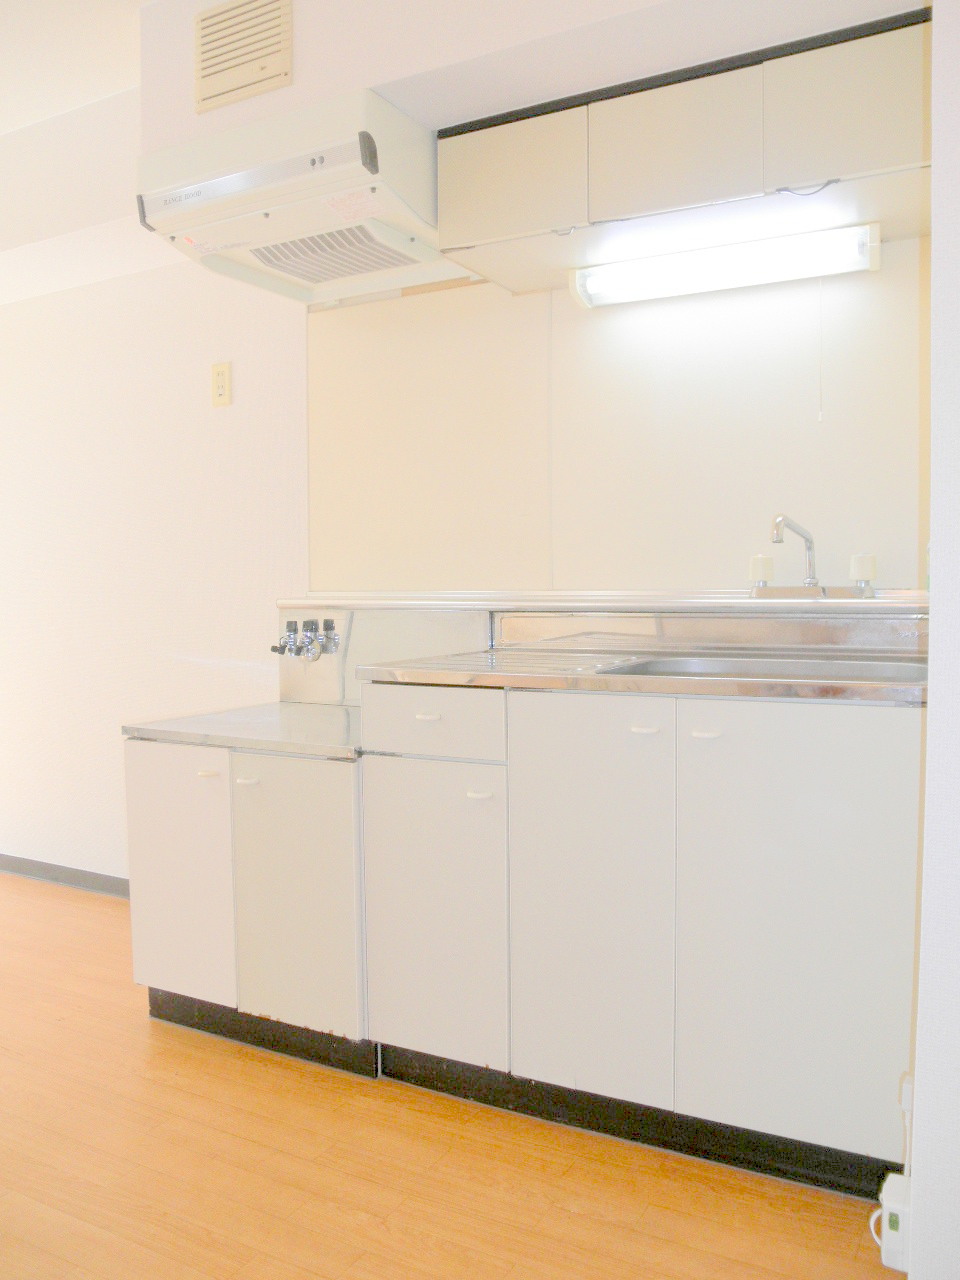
57 55
646 39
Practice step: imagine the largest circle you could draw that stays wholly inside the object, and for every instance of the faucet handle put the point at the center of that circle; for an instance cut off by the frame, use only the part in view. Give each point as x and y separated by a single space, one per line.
761 570
863 569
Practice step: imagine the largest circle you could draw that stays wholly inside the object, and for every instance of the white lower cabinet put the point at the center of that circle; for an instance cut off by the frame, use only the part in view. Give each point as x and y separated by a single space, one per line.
796 895
298 891
710 903
181 869
244 881
592 803
435 858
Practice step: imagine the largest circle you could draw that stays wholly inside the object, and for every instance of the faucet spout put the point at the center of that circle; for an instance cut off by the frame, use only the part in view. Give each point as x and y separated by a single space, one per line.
782 522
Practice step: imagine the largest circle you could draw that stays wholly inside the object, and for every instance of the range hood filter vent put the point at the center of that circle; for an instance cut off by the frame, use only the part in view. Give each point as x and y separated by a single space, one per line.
241 49
351 251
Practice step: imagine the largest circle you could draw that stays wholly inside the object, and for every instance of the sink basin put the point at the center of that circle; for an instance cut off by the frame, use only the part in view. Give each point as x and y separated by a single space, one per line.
768 667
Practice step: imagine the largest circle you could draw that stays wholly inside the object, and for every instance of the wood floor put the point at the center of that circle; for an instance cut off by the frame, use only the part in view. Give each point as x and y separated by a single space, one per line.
137 1150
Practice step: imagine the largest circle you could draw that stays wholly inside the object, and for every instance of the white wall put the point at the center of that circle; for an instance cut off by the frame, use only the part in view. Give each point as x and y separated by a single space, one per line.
429 449
73 170
336 50
146 535
936 1168
68 215
469 439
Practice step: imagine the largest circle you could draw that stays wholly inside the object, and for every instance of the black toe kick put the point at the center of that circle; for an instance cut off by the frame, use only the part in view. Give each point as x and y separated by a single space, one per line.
359 1056
760 1152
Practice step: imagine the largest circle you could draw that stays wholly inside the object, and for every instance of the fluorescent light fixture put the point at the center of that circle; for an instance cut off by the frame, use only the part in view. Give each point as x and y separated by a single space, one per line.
731 266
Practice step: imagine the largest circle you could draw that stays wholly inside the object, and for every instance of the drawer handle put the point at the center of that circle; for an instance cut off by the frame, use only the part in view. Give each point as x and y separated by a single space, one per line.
706 733
423 715
208 773
644 729
479 795
248 782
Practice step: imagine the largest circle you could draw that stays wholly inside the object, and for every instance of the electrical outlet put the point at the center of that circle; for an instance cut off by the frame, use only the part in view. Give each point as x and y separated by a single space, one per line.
895 1222
221 391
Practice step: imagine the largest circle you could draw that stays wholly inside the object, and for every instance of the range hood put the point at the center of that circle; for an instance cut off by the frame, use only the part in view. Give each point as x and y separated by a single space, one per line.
330 205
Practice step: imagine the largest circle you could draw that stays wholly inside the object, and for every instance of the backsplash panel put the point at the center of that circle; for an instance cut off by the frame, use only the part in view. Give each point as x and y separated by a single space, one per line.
370 636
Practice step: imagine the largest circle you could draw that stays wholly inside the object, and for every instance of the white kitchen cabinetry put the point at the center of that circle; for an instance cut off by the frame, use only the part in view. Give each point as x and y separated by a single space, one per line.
435 861
422 720
847 109
856 111
244 881
693 143
592 809
511 180
297 891
181 869
797 868
436 887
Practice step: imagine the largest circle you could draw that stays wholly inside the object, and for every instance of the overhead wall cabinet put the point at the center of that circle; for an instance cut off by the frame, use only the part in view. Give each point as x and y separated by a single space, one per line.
522 203
686 144
847 110
514 180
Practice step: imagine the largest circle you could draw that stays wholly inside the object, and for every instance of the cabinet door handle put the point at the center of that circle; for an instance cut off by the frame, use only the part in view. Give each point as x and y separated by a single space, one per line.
208 773
706 733
644 729
248 782
423 715
479 795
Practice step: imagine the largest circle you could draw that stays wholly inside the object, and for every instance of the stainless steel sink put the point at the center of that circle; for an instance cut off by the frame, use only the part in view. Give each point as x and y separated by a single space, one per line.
765 667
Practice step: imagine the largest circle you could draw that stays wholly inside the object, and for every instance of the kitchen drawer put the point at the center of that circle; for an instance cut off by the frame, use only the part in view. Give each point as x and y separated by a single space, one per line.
423 720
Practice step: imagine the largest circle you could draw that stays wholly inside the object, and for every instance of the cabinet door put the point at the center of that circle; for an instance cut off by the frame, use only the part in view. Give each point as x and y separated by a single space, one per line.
848 109
592 861
181 869
685 144
512 180
434 839
797 869
297 891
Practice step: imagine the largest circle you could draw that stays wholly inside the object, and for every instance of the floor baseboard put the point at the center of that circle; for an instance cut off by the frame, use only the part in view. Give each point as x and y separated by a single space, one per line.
75 877
358 1056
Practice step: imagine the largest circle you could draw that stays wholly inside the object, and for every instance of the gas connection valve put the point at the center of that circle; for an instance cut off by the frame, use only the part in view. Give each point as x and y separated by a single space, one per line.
311 643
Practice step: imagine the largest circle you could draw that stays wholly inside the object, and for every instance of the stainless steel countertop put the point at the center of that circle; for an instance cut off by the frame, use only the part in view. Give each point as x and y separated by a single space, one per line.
292 728
519 667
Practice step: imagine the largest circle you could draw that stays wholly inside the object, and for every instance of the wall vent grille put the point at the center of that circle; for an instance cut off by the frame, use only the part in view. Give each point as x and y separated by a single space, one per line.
351 251
241 49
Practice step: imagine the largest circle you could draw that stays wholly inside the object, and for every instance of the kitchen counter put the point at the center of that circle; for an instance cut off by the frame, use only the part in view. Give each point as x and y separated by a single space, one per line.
855 650
294 728
899 679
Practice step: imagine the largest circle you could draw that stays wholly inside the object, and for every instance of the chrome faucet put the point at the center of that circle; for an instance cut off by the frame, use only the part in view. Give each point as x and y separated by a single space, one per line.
782 522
